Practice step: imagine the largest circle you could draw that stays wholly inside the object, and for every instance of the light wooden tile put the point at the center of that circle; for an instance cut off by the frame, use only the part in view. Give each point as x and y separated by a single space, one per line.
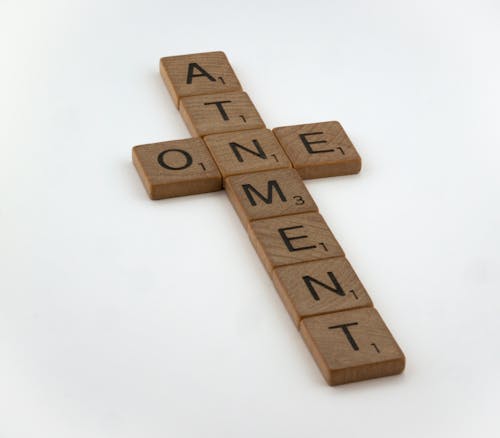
319 149
197 74
351 346
176 168
268 194
293 239
246 151
216 113
322 286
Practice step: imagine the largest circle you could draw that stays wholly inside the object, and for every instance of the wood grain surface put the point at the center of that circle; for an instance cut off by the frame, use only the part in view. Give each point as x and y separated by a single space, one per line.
318 150
351 346
322 286
268 194
246 151
292 239
176 168
216 113
197 74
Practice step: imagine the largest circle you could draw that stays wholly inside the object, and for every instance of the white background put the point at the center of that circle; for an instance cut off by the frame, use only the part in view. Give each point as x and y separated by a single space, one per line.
124 317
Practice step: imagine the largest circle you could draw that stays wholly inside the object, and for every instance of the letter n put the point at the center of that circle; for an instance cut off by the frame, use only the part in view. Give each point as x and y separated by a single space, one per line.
335 288
258 152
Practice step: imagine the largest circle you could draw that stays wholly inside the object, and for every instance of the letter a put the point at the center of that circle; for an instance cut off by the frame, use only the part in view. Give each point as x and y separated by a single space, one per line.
202 72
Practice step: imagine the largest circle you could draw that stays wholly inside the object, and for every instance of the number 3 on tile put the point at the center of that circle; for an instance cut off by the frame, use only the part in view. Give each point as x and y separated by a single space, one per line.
299 200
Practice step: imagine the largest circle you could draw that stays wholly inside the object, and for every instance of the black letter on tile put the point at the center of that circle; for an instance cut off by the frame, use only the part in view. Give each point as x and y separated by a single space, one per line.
308 280
308 143
187 156
203 72
259 152
273 184
221 109
347 333
288 239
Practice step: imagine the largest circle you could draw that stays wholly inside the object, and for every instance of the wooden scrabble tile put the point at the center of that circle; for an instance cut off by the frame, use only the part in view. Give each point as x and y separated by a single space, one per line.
352 345
317 150
262 195
246 151
215 113
176 168
196 74
292 239
322 286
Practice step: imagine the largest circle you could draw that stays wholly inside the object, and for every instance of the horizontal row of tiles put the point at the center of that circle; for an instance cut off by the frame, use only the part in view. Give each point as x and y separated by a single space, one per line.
195 165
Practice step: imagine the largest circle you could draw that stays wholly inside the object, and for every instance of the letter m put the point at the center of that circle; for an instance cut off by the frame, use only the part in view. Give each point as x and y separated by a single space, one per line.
250 191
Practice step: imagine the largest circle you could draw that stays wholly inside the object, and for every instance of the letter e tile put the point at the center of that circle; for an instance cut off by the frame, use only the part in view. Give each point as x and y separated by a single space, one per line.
292 239
318 150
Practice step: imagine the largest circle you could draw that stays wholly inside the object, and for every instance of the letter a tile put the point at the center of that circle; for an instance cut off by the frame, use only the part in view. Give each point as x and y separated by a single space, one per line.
317 150
176 168
322 286
351 346
196 74
292 239
262 195
215 113
246 151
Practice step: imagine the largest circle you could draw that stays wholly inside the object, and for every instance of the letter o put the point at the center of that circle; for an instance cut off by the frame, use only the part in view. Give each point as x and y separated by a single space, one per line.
187 156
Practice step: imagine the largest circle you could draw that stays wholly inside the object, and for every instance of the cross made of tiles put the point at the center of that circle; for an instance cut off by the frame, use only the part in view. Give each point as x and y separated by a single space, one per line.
262 172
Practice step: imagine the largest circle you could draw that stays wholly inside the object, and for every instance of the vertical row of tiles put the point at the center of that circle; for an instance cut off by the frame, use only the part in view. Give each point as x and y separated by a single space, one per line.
262 173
